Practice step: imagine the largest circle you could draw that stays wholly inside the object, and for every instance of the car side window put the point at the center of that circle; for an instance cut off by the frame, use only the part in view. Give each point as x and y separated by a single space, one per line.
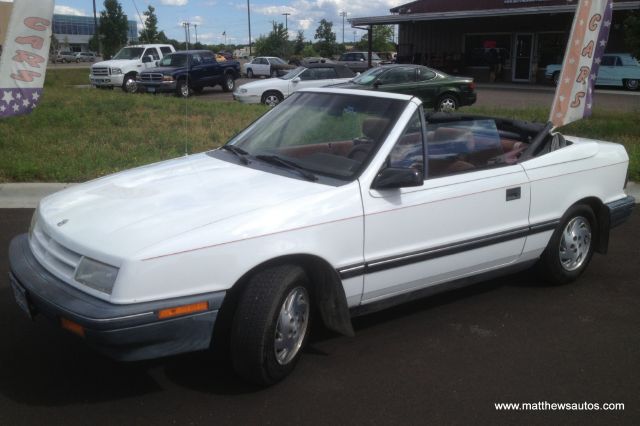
398 75
618 61
408 151
152 52
165 50
425 74
309 74
196 59
207 58
608 61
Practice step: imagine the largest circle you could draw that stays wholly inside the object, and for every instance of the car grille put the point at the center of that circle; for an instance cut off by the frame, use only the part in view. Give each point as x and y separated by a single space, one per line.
151 76
53 255
100 71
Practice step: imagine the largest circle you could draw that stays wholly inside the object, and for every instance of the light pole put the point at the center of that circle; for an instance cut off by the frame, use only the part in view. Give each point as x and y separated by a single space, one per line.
249 19
343 14
286 22
195 26
95 26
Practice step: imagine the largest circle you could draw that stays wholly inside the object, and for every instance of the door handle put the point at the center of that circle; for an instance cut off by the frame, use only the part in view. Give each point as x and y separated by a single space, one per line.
513 194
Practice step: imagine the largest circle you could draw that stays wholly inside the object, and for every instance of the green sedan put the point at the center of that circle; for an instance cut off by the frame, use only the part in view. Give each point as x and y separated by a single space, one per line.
436 89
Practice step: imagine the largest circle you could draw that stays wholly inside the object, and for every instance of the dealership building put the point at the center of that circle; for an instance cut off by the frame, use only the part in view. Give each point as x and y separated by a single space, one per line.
72 32
501 40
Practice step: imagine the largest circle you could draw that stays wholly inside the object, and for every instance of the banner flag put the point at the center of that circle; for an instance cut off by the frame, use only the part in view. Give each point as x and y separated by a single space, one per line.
23 63
589 35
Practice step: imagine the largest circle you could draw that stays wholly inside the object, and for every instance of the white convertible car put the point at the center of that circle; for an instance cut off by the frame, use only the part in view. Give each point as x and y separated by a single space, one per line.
334 204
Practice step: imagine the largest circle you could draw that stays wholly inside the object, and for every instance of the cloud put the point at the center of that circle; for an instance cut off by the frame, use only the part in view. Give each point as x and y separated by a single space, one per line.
174 2
274 10
304 24
67 10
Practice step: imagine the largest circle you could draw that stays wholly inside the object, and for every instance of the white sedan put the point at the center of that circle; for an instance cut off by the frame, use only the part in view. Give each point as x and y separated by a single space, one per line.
334 204
273 90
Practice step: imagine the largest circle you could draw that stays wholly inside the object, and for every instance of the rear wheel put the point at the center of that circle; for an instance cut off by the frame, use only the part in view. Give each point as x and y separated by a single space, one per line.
447 103
249 73
631 84
556 77
571 246
272 98
271 324
229 83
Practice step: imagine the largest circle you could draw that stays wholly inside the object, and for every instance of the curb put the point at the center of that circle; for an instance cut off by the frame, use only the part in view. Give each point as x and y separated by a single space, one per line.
27 195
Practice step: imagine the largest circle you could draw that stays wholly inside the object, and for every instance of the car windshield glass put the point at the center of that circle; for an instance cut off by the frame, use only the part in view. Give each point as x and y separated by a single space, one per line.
277 61
129 53
367 77
291 74
174 61
333 135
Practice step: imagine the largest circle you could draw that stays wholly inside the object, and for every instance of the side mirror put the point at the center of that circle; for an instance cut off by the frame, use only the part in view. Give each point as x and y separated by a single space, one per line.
147 59
398 177
296 80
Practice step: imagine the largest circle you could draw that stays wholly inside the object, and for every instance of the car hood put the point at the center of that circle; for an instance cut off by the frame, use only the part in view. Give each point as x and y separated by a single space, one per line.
262 85
164 70
115 63
118 216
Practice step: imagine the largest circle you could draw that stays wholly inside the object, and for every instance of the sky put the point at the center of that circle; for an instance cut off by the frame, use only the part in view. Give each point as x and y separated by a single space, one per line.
214 17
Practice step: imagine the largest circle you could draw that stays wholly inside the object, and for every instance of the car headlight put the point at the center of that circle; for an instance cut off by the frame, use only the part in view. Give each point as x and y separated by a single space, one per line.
96 275
116 71
167 78
243 90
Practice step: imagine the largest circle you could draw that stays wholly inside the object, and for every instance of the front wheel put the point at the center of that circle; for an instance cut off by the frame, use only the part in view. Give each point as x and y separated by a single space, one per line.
447 103
129 84
229 83
272 98
271 324
571 246
631 84
556 77
183 89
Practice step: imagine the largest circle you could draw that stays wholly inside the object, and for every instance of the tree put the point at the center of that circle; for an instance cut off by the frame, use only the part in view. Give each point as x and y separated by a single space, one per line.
275 44
326 45
632 34
298 44
113 28
382 39
309 51
150 33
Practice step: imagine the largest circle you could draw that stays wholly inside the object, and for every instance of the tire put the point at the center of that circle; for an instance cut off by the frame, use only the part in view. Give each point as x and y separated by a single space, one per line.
272 98
631 84
275 301
556 77
447 103
182 89
229 83
571 246
249 73
129 84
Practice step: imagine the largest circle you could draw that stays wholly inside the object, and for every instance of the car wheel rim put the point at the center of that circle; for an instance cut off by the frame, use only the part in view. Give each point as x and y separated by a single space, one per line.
447 105
272 100
229 83
131 85
575 243
632 84
184 90
292 325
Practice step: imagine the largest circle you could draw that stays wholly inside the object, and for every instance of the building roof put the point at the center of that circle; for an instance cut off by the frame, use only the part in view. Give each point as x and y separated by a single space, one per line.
474 13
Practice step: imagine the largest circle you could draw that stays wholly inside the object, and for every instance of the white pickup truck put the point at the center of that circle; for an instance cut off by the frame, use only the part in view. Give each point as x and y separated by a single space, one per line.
122 70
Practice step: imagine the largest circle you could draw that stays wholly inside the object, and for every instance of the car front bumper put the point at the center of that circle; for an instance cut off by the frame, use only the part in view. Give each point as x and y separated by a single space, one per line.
246 98
157 87
124 332
467 99
107 80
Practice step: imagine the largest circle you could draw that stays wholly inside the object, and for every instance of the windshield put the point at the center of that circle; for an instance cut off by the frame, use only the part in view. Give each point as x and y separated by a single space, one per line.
291 74
334 135
277 61
174 60
367 77
129 53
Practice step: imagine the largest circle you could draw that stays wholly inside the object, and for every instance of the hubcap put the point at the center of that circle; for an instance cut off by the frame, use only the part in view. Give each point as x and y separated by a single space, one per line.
131 85
447 105
575 243
632 84
272 100
229 83
184 90
292 325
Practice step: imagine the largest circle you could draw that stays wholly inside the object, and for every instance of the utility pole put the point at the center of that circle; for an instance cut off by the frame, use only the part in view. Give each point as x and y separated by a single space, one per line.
95 26
286 21
195 26
249 19
224 33
354 36
343 14
186 34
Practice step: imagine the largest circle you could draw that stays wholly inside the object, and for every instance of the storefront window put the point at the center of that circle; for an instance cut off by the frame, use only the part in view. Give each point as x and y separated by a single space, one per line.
488 49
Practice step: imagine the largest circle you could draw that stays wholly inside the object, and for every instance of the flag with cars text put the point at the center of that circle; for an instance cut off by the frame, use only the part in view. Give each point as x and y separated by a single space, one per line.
588 39
25 52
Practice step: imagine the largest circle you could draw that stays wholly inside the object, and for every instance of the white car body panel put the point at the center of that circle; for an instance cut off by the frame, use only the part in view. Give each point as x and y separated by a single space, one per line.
197 224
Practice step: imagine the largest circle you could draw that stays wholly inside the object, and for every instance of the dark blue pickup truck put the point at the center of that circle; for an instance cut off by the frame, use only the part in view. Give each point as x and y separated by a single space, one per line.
189 71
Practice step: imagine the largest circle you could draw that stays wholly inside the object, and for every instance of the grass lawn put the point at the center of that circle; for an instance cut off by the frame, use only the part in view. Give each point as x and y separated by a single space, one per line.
79 134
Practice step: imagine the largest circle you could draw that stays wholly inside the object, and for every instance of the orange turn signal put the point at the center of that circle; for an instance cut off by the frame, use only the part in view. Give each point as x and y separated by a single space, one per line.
73 327
183 310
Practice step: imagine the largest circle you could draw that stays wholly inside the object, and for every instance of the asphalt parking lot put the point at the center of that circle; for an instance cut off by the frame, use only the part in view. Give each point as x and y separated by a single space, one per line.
443 360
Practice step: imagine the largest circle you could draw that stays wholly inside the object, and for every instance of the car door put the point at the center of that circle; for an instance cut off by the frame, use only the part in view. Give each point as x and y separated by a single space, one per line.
397 80
155 56
197 71
461 221
262 67
427 86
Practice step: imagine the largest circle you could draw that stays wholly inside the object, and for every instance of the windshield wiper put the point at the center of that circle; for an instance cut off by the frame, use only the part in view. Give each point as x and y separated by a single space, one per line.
238 152
274 159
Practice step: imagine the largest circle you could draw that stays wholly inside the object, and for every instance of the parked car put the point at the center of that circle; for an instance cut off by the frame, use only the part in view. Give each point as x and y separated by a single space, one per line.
359 61
85 57
65 56
616 69
189 71
436 89
273 90
269 66
334 204
122 70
